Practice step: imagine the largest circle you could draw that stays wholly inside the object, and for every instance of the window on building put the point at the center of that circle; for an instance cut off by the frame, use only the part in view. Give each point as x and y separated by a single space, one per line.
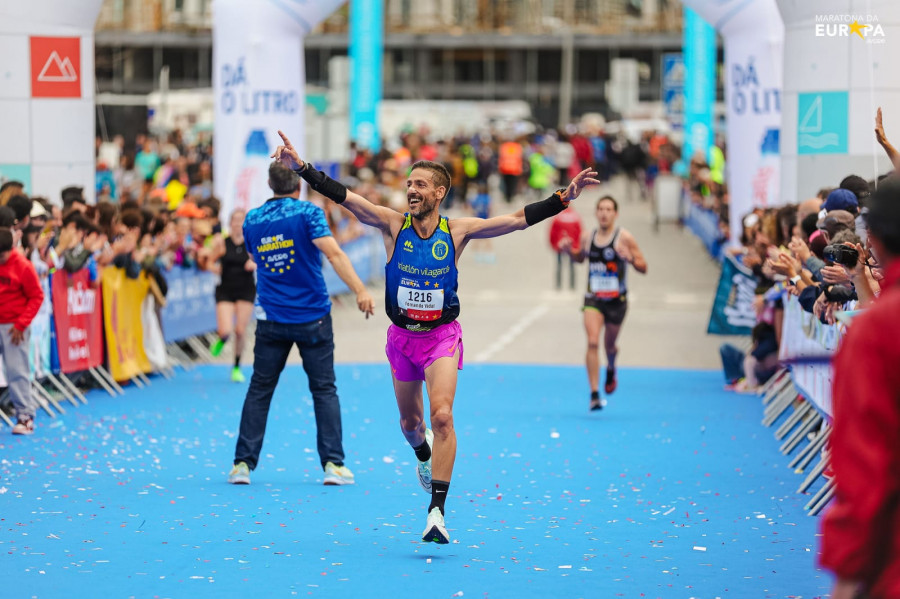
549 65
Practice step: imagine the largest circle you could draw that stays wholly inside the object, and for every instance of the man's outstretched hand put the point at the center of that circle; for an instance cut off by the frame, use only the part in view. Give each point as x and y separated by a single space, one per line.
583 179
286 154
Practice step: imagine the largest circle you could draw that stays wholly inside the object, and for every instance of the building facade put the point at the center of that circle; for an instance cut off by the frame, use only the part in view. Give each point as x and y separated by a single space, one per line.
434 49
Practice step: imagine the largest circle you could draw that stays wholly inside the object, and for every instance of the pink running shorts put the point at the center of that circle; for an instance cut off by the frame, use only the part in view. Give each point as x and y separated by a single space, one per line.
410 353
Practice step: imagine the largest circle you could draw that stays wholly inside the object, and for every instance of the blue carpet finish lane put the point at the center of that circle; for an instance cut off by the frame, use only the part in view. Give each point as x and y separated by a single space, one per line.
674 490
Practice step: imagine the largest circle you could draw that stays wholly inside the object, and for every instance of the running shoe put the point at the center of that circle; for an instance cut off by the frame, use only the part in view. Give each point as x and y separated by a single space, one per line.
236 375
338 475
26 427
611 381
597 404
435 531
240 474
216 348
423 469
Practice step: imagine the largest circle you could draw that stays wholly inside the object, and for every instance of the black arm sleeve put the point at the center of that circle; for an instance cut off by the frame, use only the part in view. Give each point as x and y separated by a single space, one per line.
322 183
538 211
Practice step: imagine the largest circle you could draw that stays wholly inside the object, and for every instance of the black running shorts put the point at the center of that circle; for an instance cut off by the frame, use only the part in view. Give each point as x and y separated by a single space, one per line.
235 294
613 311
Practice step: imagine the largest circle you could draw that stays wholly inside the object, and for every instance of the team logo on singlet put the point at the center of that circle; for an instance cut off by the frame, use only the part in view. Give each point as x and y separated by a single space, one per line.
440 249
609 254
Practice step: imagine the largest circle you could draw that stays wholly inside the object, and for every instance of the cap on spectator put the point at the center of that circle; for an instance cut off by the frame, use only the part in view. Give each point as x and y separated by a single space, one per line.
817 243
841 199
836 220
190 210
37 210
751 220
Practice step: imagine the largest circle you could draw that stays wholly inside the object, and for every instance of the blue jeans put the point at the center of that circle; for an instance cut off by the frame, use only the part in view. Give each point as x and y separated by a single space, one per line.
274 340
732 362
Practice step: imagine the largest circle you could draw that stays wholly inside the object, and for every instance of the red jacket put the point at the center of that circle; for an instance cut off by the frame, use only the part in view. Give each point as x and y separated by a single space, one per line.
861 529
20 291
565 224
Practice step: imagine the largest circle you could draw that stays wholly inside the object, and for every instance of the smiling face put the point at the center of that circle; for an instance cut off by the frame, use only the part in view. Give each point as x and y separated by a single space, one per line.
422 195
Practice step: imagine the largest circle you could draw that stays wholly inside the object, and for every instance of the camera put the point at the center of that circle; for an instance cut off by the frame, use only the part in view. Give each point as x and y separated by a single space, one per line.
841 254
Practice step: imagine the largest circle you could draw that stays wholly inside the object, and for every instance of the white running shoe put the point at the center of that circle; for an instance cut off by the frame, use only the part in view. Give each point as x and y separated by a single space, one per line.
338 475
240 474
435 531
423 469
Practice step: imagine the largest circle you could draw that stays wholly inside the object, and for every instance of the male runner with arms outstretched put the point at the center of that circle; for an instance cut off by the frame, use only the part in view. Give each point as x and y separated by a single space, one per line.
424 343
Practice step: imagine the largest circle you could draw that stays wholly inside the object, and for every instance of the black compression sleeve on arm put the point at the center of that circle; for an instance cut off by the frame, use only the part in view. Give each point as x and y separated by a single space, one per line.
538 211
322 183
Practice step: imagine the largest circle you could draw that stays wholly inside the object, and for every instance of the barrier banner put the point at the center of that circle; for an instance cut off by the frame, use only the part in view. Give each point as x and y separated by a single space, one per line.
122 299
39 340
190 304
808 344
78 315
154 345
705 225
732 311
368 258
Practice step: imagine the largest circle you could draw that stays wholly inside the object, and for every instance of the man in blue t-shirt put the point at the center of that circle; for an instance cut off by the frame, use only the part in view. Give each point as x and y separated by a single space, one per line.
287 238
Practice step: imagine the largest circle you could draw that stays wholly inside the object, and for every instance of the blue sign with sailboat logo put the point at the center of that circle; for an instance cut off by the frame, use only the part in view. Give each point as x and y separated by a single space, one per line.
822 123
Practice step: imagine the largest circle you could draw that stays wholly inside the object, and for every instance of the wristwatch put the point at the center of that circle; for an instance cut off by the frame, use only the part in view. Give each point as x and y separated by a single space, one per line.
795 279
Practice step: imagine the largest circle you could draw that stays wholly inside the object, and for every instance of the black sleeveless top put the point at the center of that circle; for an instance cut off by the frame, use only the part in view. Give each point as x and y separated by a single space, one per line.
606 270
234 276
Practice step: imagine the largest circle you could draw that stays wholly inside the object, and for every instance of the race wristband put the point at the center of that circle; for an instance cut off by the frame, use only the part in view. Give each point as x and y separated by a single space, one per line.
538 211
322 183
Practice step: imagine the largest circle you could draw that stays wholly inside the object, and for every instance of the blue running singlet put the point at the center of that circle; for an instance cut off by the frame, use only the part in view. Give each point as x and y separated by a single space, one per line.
421 279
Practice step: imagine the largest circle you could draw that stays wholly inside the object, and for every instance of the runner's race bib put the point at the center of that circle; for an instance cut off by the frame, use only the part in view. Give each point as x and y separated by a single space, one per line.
604 285
420 304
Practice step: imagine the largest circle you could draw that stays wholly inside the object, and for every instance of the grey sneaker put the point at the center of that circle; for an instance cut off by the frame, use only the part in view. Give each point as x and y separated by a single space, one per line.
338 475
435 531
26 427
423 469
240 474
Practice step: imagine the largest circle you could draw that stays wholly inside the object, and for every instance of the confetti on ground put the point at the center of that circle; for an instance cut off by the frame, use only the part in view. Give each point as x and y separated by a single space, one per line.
127 496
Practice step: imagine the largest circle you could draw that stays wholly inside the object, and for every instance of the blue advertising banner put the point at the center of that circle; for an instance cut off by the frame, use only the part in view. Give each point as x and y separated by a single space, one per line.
672 87
732 311
368 258
190 304
366 60
699 83
705 225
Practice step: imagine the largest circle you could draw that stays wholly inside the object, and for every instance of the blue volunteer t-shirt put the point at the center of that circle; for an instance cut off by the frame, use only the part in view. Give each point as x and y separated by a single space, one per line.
290 287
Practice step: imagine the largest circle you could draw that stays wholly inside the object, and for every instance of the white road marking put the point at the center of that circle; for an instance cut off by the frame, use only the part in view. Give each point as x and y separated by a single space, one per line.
513 332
